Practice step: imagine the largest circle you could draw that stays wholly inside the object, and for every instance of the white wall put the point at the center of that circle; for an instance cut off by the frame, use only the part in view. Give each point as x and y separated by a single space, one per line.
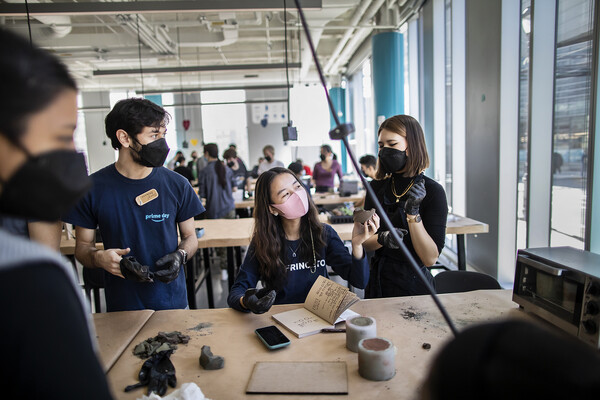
99 150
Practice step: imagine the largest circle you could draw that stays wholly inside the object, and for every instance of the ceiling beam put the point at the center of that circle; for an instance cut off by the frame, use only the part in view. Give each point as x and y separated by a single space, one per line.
132 7
198 68
206 89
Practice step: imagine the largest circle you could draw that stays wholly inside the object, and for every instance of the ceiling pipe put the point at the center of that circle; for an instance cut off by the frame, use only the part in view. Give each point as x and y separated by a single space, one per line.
268 18
340 46
60 25
358 38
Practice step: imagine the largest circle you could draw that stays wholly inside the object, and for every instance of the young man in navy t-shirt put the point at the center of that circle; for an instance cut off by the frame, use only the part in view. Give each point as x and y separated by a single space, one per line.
138 204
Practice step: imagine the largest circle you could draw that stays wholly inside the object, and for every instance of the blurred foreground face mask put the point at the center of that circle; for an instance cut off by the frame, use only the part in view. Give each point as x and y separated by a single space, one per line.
152 154
295 206
46 186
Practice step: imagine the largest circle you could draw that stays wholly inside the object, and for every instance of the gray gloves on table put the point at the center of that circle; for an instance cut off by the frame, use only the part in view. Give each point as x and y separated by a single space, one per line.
259 301
156 373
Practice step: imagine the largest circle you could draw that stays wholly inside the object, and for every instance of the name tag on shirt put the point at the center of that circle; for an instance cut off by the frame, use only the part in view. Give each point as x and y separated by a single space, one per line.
146 197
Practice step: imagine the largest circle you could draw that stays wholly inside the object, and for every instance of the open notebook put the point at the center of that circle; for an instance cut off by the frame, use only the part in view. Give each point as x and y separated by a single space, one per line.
327 303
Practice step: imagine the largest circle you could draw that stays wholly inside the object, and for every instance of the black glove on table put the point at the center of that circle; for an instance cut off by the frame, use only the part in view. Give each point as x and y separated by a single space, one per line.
386 239
156 373
134 271
415 196
259 301
167 267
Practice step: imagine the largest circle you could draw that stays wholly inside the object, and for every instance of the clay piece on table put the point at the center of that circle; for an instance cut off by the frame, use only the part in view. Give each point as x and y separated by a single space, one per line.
210 361
162 341
361 216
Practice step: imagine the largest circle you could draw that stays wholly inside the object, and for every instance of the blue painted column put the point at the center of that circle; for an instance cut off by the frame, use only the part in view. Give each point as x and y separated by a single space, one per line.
338 97
388 76
155 98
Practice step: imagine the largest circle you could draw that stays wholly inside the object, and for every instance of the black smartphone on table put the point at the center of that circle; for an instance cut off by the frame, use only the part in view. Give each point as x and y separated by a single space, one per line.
272 337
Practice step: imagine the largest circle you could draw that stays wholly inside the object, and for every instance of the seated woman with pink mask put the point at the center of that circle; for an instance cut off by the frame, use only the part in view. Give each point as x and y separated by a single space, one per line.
290 248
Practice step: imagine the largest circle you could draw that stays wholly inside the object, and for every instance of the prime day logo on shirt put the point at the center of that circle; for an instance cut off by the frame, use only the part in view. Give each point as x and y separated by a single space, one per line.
157 217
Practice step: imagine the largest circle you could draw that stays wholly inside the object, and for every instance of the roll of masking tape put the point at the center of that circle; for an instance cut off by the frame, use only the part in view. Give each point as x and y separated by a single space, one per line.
376 359
358 328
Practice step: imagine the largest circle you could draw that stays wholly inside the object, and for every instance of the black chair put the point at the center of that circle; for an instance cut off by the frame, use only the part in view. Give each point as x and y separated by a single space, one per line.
464 281
93 281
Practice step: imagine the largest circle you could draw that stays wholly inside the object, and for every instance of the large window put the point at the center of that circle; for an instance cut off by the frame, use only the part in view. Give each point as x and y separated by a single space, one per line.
524 79
448 86
225 123
570 136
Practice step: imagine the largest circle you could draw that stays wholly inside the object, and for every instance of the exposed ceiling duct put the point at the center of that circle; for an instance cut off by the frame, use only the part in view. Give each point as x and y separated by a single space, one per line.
59 25
355 20
359 36
189 43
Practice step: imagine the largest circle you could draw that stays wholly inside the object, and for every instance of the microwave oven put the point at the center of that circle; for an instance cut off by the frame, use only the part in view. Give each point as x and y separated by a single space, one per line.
562 286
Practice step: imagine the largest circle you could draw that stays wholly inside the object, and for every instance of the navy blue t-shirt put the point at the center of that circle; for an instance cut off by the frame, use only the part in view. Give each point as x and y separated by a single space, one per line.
299 278
150 231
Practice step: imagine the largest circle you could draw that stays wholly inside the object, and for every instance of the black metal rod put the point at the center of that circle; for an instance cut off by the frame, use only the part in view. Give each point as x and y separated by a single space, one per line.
371 192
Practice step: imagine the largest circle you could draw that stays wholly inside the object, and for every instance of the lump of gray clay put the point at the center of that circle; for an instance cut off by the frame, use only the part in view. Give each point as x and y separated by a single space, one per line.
210 361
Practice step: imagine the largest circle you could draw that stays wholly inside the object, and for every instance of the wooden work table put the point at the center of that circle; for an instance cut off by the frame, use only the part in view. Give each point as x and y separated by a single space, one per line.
407 321
115 331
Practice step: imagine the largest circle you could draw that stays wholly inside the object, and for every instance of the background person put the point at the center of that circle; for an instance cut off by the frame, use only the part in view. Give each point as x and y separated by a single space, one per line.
192 165
215 184
368 166
176 161
133 222
325 170
416 206
269 161
49 342
240 173
290 248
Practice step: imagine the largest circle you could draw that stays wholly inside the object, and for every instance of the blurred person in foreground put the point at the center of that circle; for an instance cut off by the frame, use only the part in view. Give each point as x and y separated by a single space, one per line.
515 360
49 344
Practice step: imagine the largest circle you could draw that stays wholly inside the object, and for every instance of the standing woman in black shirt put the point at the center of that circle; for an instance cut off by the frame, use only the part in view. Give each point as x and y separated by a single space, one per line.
416 206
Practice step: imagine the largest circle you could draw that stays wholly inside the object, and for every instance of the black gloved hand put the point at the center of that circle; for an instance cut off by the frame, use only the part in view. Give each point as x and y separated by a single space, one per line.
134 271
156 373
415 196
167 267
259 301
386 239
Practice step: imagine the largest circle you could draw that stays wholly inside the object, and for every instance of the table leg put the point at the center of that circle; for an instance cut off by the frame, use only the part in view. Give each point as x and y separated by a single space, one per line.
238 259
230 267
190 282
208 277
461 252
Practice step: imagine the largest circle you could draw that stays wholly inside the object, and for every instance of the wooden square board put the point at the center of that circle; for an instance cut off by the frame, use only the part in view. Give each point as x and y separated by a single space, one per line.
298 378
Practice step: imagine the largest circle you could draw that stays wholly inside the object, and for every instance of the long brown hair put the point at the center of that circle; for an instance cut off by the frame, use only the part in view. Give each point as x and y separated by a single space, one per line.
417 159
269 237
213 150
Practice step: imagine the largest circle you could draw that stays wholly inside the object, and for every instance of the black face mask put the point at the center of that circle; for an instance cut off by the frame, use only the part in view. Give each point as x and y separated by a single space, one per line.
152 154
322 157
230 164
363 173
46 186
392 160
268 158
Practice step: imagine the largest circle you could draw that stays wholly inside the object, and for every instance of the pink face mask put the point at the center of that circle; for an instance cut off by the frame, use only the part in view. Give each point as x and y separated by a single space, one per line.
295 206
